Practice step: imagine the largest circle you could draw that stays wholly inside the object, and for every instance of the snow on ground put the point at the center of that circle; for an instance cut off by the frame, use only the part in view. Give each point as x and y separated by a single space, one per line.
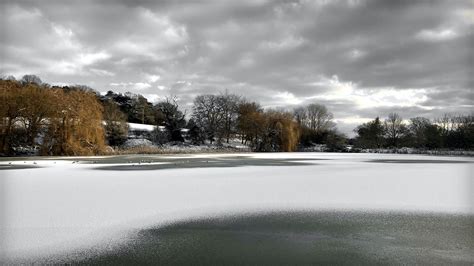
55 206
137 143
144 127
203 148
234 145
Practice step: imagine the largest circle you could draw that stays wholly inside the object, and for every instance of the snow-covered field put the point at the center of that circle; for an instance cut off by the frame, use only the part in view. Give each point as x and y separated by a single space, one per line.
61 205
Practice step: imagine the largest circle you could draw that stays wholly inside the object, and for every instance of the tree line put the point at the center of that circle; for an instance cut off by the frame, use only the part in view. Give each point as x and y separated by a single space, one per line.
447 132
215 119
76 120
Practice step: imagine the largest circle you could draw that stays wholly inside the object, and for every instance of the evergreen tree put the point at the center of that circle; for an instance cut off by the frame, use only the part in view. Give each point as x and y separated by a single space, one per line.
167 114
116 126
370 134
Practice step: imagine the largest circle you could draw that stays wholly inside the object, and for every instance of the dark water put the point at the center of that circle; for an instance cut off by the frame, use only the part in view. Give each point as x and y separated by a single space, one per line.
300 238
412 161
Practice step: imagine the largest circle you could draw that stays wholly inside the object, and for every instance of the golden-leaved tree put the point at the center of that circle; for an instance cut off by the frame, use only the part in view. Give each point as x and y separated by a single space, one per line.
282 132
249 122
37 107
58 121
10 108
76 127
267 130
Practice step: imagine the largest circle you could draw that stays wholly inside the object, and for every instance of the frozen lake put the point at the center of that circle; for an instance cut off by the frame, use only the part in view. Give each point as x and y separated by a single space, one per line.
89 208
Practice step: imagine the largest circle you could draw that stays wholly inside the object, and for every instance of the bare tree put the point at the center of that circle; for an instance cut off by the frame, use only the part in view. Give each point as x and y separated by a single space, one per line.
394 129
31 79
8 77
217 115
300 114
418 127
315 117
448 123
320 119
208 115
229 105
315 121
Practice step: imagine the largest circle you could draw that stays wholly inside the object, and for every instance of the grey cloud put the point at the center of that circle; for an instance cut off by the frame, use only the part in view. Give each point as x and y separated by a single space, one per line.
264 50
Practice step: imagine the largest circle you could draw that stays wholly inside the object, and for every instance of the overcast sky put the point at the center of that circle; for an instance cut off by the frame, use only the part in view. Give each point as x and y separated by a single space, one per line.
361 59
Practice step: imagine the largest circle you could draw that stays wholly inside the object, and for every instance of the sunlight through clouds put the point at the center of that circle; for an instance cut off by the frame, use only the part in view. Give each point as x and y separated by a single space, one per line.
368 97
287 98
437 35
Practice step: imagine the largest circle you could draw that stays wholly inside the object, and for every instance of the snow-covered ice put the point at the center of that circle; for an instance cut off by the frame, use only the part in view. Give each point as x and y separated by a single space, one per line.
58 205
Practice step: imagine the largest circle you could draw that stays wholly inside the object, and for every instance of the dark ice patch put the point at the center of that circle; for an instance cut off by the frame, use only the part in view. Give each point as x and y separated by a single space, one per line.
299 238
17 167
183 163
418 161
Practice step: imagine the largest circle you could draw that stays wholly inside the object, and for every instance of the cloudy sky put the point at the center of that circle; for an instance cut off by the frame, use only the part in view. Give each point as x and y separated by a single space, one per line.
360 58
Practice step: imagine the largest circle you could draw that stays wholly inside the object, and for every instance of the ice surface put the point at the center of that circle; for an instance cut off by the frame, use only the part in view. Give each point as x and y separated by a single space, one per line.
75 203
